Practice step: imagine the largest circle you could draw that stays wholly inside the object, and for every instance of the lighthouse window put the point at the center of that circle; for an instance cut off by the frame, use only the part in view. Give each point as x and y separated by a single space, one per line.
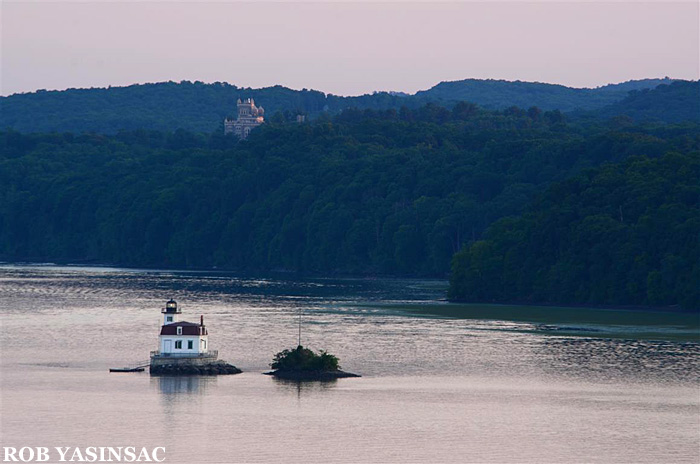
179 330
169 318
189 344
178 345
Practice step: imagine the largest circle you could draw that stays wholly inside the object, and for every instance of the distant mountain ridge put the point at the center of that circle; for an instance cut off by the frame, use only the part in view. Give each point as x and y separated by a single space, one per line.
498 94
201 107
676 102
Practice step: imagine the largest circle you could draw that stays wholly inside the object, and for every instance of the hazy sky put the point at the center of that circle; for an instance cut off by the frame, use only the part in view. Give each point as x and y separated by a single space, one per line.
344 48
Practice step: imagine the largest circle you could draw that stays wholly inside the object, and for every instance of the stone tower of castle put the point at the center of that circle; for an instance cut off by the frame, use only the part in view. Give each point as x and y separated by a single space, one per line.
249 117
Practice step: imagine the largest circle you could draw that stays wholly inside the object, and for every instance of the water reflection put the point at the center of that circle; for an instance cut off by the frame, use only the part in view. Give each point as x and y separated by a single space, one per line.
299 388
182 385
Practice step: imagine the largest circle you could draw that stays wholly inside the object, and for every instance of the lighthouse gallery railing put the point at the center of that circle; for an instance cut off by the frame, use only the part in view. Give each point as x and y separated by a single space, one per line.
208 354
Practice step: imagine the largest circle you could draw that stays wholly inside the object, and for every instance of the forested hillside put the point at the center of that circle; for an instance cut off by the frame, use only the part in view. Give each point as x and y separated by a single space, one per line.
199 107
679 101
623 233
366 192
166 106
499 94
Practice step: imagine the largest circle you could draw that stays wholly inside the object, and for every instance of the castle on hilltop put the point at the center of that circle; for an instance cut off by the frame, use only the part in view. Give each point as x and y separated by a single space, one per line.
249 117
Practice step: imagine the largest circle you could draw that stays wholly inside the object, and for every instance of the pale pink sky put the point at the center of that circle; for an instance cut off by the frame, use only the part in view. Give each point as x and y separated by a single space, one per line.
344 48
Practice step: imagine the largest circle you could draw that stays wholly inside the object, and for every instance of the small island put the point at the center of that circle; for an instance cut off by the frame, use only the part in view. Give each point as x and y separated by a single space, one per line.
216 367
302 364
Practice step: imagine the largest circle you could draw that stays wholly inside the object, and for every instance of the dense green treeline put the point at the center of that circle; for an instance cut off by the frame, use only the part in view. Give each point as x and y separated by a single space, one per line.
624 233
200 107
389 192
498 94
168 106
165 106
679 101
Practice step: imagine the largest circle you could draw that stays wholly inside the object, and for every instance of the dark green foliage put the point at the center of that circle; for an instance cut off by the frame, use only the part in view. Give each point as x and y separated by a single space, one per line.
499 94
303 359
624 234
200 107
388 192
165 106
679 101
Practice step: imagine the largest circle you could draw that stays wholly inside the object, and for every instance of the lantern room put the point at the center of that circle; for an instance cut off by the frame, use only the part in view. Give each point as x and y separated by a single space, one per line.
170 312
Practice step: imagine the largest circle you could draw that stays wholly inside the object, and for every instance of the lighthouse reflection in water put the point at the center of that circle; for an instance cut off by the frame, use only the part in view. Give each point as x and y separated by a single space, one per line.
185 384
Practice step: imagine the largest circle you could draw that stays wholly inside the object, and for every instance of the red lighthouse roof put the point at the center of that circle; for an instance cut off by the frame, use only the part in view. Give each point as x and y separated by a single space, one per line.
188 328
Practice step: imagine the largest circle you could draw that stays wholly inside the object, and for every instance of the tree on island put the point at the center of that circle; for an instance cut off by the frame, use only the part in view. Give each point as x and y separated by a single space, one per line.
302 364
303 359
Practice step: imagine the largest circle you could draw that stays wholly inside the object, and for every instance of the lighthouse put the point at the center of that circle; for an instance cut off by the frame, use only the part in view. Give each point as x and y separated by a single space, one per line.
181 339
183 349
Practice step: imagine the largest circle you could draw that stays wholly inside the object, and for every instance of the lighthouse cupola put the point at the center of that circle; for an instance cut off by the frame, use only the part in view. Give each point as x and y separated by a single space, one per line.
170 312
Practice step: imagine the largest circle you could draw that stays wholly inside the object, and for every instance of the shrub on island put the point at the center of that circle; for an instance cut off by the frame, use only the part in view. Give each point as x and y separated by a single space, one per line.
303 364
304 359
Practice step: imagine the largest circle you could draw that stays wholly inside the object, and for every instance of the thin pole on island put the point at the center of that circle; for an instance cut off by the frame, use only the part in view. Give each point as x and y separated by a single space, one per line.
299 326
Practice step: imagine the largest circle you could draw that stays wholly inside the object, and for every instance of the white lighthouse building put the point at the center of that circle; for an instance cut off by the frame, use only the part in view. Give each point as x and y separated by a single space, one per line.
181 339
184 348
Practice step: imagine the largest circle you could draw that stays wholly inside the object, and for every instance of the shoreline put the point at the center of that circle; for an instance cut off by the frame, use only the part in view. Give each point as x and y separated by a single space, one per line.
569 320
676 309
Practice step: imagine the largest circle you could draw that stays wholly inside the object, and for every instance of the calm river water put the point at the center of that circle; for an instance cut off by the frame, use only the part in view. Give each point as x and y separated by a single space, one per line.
433 390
